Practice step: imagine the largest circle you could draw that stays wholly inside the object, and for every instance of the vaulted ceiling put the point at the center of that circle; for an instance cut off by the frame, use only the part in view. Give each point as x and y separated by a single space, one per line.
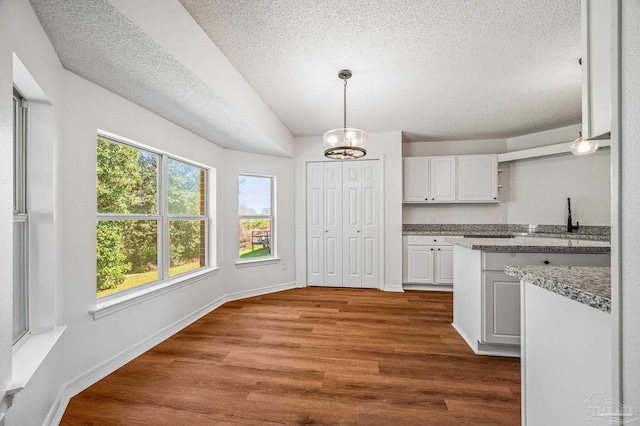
435 69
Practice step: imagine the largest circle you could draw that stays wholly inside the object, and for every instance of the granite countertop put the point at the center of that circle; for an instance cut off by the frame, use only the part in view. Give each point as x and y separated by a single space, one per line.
589 285
598 233
531 245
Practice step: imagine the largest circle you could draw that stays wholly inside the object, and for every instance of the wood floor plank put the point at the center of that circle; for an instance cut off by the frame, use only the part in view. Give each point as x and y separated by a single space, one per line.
311 356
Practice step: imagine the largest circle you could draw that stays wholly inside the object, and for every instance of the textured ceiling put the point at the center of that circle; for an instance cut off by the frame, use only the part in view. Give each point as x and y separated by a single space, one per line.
436 69
94 40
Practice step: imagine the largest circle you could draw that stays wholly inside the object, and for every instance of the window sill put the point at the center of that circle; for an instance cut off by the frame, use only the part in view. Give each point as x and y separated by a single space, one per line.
256 262
118 303
28 356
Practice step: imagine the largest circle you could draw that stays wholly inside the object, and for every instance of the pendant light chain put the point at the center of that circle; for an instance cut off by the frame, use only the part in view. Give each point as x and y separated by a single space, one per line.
345 104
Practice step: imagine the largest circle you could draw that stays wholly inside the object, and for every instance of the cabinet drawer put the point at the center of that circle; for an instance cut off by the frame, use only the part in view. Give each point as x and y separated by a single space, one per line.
496 261
427 240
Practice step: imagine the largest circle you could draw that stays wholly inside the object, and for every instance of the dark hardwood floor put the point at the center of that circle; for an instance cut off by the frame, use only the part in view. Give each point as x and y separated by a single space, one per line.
311 356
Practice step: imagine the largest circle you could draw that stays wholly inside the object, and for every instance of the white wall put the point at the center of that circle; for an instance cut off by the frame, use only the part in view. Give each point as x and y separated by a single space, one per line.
244 278
21 33
534 191
384 146
80 108
630 201
539 188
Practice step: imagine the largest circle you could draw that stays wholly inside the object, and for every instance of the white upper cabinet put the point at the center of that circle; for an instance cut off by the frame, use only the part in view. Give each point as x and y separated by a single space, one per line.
443 178
451 179
416 179
478 178
596 68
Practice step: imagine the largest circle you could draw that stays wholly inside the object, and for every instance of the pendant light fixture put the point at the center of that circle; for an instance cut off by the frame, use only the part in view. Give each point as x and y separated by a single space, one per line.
346 143
584 146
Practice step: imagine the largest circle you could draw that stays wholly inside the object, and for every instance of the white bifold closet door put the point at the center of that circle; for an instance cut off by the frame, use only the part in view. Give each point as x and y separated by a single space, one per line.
343 248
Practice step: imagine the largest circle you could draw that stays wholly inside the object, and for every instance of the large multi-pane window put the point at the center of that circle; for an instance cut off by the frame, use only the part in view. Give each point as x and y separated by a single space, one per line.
152 217
255 209
20 219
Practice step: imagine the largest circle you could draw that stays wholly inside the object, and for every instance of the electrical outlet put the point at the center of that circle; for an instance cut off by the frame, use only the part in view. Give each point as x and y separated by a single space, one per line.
284 266
433 218
503 219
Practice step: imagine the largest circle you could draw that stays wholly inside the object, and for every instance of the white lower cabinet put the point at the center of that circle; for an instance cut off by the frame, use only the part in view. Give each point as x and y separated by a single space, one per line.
501 293
501 309
427 260
444 264
420 266
486 302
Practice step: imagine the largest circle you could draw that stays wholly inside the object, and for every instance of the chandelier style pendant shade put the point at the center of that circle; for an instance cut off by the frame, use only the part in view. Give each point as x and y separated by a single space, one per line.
345 143
583 146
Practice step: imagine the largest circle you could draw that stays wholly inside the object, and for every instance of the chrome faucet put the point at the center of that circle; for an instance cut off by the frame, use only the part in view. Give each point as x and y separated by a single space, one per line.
570 226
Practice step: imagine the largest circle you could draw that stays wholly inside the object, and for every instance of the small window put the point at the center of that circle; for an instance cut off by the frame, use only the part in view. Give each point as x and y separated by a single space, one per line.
255 210
20 220
152 217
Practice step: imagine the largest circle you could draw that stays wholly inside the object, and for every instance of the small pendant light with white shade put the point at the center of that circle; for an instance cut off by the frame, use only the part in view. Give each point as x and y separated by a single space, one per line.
584 146
346 143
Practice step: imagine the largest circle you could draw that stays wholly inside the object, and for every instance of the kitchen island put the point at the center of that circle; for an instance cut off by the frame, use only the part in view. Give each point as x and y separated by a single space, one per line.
566 331
427 259
486 301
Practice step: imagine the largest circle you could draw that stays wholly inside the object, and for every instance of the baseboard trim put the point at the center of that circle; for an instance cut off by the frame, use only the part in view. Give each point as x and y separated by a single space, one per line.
394 288
489 349
83 381
429 287
467 340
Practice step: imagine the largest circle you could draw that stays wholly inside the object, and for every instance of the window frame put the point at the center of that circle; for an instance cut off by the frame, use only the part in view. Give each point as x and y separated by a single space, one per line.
21 210
162 218
272 220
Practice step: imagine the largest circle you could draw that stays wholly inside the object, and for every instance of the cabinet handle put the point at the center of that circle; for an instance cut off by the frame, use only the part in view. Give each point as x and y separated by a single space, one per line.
495 198
426 199
433 198
431 249
435 241
546 262
438 249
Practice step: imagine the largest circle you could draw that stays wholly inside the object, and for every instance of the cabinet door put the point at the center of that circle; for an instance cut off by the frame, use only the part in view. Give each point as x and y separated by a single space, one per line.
416 179
444 265
420 264
501 309
443 178
478 178
596 67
